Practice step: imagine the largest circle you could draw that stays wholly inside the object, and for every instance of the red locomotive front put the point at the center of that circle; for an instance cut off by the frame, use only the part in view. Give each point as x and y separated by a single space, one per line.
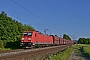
26 39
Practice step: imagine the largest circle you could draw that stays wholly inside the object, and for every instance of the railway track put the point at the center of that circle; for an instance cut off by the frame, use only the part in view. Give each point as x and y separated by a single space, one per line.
31 54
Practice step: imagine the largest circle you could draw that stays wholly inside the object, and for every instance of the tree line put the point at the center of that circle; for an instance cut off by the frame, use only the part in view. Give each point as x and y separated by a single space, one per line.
65 36
11 31
84 41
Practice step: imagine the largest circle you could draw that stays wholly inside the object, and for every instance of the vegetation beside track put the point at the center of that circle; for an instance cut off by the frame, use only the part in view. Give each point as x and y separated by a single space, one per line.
86 49
11 31
63 55
4 49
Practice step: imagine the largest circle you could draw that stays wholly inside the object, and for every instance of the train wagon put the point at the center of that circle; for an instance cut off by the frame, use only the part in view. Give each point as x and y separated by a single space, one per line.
61 41
56 40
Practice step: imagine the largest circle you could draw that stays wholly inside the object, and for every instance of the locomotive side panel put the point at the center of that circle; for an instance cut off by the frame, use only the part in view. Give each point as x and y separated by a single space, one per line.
44 39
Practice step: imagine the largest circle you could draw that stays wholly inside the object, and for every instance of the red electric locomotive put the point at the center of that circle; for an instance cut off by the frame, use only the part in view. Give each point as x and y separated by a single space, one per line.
34 38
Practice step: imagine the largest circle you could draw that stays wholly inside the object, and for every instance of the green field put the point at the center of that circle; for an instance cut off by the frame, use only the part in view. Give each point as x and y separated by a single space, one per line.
86 49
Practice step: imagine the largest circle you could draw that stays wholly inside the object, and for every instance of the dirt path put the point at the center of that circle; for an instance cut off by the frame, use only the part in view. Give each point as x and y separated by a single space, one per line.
78 54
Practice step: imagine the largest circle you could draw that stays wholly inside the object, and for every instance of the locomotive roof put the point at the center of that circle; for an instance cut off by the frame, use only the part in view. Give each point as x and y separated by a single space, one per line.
29 30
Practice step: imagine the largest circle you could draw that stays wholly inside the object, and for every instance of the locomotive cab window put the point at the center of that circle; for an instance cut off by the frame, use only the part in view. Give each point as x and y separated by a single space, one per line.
25 34
30 34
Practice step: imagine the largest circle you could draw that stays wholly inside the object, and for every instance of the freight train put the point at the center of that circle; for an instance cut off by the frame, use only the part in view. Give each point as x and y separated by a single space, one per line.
37 39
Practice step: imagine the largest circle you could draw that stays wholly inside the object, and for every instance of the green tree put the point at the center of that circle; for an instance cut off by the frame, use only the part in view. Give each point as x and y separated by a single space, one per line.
66 37
84 41
11 30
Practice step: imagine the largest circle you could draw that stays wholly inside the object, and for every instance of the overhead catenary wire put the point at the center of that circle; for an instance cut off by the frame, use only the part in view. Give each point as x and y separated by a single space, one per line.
54 8
32 13
49 7
37 9
16 17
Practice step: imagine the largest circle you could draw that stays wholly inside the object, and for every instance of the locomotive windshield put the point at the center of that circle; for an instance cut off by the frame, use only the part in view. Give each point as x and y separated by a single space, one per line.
30 34
27 34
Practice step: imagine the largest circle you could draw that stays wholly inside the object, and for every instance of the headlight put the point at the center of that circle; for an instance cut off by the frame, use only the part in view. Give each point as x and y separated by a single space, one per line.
22 38
29 38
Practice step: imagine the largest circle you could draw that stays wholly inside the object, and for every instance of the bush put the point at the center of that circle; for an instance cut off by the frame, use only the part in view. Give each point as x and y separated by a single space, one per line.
86 50
13 44
1 44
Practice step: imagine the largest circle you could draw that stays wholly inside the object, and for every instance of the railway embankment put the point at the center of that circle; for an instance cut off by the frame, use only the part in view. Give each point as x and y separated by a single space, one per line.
31 54
75 52
62 55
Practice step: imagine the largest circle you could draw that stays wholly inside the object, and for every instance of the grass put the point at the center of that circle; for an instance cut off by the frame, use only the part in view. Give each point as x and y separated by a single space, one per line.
77 52
86 50
4 49
64 54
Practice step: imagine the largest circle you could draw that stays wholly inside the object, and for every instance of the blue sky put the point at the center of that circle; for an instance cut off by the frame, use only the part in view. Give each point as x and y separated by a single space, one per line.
70 17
